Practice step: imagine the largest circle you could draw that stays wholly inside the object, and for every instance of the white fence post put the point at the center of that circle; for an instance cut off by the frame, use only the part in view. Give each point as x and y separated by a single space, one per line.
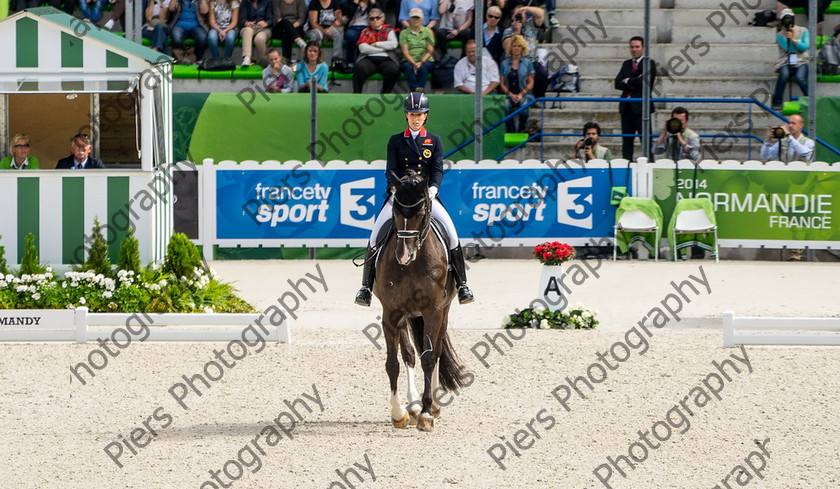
81 324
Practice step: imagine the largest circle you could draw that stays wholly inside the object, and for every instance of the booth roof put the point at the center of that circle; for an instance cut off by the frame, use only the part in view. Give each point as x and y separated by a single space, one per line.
94 32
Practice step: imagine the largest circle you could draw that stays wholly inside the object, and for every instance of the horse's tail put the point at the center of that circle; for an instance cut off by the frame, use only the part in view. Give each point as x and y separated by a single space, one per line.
451 371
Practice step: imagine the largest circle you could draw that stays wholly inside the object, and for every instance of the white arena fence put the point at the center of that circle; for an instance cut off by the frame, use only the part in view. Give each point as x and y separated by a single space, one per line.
82 326
786 331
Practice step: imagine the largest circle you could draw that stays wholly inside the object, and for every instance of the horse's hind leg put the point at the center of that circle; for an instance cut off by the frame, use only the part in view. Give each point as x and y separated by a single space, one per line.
414 404
399 415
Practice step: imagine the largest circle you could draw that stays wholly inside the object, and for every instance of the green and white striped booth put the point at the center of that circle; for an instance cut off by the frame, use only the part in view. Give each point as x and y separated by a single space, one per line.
59 207
55 53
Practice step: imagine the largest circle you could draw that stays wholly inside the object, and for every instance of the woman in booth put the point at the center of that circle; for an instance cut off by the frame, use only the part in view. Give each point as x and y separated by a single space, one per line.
20 158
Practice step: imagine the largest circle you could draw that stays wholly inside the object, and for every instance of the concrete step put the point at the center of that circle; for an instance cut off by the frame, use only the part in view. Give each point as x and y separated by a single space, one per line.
612 16
662 52
736 35
738 151
572 118
703 67
587 34
688 85
704 4
607 4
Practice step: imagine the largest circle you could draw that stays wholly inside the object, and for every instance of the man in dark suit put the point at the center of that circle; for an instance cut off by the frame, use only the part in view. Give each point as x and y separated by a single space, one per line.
630 80
79 158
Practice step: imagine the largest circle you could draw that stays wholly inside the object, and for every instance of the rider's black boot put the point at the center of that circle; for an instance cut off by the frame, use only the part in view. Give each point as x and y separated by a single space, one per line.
465 295
363 296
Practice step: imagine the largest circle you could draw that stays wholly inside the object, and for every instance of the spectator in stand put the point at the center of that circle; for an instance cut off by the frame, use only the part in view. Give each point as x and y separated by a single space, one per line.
79 158
465 71
793 44
154 29
188 19
686 140
377 47
797 147
68 5
512 5
312 64
223 19
493 34
117 14
516 80
589 148
91 10
18 5
417 44
20 158
255 20
630 80
277 77
325 25
290 17
356 12
429 9
526 22
456 22
822 5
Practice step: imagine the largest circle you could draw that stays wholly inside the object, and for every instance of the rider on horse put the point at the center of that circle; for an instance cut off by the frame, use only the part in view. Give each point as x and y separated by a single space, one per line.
419 150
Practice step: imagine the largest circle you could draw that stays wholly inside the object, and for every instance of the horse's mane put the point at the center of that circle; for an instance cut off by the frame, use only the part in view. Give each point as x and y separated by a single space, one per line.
411 188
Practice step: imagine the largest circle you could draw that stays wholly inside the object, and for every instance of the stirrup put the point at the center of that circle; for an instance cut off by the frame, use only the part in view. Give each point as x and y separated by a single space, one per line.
465 295
363 297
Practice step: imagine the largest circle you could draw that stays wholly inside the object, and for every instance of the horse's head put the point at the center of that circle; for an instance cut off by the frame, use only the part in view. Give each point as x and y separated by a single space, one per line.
412 215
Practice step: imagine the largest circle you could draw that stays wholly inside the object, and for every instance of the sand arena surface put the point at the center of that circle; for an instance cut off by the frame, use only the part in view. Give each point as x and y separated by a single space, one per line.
55 431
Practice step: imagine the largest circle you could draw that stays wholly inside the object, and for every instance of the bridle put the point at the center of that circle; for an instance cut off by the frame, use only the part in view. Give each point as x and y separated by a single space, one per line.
420 234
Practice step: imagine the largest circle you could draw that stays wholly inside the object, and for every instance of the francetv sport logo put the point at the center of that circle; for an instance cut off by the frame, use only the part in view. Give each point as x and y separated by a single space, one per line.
529 203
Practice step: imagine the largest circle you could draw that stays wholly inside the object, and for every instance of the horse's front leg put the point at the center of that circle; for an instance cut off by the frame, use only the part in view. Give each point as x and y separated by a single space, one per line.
429 360
414 404
399 416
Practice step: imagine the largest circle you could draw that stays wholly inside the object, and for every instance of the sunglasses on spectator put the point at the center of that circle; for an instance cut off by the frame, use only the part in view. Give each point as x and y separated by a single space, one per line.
494 16
22 145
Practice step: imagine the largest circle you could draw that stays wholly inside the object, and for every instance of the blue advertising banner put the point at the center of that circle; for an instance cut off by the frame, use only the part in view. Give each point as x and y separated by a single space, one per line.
491 204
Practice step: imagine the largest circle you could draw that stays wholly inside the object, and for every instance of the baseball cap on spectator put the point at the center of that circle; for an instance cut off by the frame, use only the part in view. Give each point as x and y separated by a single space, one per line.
786 12
495 11
415 12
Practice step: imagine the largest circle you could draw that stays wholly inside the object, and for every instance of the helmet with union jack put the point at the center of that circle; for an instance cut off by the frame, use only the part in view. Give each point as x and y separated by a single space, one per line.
416 102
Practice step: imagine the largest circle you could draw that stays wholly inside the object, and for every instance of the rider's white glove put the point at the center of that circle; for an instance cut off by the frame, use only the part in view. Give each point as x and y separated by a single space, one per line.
433 191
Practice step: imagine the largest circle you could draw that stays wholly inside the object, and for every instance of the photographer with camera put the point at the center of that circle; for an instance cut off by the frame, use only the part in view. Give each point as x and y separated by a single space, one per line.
799 147
793 56
588 148
683 143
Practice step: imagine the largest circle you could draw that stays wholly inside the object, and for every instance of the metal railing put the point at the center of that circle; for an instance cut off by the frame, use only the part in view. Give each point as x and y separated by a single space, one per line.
543 100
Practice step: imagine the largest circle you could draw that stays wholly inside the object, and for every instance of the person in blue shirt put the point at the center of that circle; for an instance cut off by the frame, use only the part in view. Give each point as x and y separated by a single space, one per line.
188 19
312 64
429 8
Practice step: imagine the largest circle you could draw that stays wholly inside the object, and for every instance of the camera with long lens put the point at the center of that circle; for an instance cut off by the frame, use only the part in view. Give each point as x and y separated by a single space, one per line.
519 17
674 125
786 22
588 142
779 132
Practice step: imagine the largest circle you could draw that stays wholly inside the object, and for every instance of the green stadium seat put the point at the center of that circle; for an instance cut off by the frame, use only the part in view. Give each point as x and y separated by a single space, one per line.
515 138
790 108
187 72
834 8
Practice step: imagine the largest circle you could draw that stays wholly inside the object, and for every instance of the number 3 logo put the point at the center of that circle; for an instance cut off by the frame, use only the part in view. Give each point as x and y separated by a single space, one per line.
574 203
358 203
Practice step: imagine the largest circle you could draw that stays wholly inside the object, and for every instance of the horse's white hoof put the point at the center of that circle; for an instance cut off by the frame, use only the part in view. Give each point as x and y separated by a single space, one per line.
402 423
425 422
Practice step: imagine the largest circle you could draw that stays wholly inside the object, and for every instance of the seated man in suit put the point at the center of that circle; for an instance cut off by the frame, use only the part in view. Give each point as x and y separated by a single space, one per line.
80 158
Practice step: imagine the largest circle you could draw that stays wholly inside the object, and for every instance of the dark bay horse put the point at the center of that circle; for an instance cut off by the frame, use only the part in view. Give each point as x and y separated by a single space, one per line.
416 290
